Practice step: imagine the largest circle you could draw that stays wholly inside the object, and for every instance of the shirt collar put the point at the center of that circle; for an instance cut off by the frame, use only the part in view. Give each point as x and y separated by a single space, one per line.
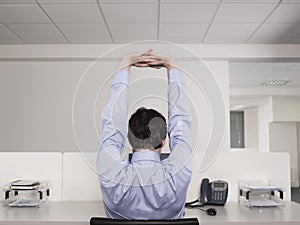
145 155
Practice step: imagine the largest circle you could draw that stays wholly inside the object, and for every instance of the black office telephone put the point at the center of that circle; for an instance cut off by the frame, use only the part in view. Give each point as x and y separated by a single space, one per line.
213 193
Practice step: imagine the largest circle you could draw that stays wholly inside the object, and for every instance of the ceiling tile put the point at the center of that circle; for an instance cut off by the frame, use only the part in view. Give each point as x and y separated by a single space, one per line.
182 30
190 1
128 1
130 13
133 30
242 66
250 1
84 30
66 1
35 30
243 13
229 33
286 13
74 13
90 40
273 30
231 29
127 40
17 2
10 41
274 66
244 82
296 66
225 40
5 33
269 40
45 41
187 12
296 40
183 40
22 14
290 1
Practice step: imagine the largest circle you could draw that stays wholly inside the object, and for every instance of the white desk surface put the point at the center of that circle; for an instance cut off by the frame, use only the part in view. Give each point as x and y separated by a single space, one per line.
66 213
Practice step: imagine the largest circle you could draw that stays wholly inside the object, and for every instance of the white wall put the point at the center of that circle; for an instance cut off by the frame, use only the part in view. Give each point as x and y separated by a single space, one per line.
283 138
265 116
235 166
72 177
36 105
33 166
298 148
36 98
37 86
286 108
251 128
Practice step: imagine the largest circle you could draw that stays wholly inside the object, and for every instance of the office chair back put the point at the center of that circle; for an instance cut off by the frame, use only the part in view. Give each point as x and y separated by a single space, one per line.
107 221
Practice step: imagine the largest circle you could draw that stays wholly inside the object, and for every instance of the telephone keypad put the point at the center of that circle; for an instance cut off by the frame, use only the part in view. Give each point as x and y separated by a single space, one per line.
217 195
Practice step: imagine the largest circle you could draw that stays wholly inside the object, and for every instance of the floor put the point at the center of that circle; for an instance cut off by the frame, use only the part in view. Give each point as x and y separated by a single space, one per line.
296 195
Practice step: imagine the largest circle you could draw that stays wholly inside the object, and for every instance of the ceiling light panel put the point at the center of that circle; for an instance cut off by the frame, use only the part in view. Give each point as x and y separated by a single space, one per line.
273 83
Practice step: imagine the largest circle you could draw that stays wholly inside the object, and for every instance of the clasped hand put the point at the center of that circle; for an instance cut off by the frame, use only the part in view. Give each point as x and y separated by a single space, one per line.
147 58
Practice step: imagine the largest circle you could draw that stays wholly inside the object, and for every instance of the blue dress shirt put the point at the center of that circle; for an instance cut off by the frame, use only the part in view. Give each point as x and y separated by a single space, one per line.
146 188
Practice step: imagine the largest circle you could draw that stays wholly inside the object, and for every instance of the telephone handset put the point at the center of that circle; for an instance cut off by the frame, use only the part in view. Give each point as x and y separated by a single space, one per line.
213 193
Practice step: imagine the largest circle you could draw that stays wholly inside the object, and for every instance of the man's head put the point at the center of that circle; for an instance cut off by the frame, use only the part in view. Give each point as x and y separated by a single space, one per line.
147 129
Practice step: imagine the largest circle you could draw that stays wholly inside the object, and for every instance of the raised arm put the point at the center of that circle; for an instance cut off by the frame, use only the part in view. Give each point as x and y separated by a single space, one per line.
114 119
180 120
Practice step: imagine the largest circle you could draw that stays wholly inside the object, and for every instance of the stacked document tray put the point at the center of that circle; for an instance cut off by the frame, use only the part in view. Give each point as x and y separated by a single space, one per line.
260 194
26 193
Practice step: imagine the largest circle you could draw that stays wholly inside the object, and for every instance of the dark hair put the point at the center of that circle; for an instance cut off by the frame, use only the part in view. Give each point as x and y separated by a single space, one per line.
147 129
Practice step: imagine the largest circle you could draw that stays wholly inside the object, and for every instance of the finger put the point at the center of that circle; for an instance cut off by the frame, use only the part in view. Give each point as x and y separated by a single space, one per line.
141 65
148 51
156 67
146 61
154 54
156 63
152 57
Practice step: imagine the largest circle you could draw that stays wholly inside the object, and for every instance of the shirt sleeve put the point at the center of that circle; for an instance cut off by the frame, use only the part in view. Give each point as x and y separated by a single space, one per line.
179 127
114 129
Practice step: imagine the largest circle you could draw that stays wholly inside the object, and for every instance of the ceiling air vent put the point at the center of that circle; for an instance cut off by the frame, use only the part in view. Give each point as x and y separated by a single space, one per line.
274 83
